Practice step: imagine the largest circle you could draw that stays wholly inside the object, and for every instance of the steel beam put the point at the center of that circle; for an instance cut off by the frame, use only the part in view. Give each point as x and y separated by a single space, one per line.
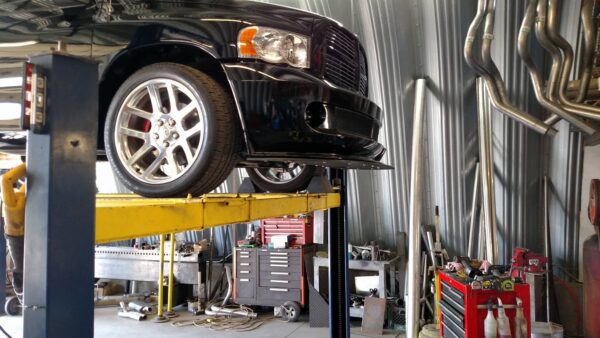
59 214
120 217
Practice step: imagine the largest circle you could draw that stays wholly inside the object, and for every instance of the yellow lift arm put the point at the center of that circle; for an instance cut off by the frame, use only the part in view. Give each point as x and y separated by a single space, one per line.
120 217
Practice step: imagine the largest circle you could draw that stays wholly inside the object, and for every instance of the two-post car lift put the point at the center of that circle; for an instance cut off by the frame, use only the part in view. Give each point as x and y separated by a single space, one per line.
64 218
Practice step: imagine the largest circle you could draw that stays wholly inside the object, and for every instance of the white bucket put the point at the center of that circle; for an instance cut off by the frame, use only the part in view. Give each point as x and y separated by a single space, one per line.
543 329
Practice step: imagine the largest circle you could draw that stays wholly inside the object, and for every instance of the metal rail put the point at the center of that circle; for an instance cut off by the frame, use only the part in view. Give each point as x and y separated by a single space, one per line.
120 217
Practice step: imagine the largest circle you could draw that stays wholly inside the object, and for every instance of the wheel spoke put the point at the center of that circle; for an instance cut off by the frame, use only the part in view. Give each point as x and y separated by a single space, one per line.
173 104
154 165
138 112
185 111
189 156
139 154
154 98
193 130
133 133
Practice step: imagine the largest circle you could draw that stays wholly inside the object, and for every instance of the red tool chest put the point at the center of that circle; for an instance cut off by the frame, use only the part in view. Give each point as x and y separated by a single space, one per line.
463 309
299 228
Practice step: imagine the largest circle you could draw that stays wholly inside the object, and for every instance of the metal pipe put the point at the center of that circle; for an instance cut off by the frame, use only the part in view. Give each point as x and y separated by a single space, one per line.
589 39
412 323
221 311
229 284
431 248
473 211
481 243
170 312
161 273
487 172
490 73
535 75
553 33
548 248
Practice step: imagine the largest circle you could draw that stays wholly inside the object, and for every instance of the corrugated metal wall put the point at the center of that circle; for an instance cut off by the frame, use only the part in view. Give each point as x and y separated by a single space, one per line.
405 39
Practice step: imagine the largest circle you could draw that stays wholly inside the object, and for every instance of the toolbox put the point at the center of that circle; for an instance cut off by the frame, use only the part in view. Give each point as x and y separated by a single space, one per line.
270 277
463 308
299 229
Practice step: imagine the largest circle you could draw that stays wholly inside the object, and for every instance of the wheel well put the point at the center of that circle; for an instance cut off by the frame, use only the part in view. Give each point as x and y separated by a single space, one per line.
133 60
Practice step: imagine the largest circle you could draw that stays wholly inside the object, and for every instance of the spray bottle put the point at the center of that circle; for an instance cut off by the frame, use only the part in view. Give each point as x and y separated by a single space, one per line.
503 323
520 321
490 327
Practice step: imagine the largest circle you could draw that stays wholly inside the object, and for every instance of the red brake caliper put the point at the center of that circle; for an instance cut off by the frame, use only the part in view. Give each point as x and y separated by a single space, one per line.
147 125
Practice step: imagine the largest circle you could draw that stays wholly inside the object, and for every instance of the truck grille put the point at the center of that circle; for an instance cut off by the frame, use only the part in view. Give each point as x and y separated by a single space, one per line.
345 63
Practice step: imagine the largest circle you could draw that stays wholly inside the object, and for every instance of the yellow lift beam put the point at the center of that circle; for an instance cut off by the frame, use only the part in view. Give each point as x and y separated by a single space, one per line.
120 217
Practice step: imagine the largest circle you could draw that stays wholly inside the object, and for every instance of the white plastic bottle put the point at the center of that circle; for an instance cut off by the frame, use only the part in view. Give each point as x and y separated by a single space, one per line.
503 323
490 327
520 321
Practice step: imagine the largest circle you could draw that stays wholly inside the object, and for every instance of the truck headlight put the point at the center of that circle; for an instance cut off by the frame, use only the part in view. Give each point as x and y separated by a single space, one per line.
274 45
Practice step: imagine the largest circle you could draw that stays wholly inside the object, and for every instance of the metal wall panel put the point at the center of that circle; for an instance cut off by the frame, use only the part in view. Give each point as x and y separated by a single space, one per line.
405 39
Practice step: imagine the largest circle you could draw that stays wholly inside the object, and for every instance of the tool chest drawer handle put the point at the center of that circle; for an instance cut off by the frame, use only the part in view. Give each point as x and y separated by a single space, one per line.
244 280
245 264
280 273
279 281
278 253
278 261
245 271
278 290
244 256
279 265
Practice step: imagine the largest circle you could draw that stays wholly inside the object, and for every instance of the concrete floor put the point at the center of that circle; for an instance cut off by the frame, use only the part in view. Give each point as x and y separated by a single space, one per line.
107 324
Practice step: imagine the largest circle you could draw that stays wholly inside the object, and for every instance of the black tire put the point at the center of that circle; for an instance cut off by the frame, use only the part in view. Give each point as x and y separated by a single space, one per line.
290 311
297 183
214 159
12 307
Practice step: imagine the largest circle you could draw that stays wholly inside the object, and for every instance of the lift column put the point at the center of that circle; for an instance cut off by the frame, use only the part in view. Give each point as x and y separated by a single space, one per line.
339 317
60 208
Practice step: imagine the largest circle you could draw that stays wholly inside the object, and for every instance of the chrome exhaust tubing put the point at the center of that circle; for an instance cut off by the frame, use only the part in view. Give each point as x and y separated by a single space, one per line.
554 36
536 77
589 39
488 70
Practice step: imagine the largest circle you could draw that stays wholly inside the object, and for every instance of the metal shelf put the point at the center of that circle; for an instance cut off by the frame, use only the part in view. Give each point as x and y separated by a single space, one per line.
120 217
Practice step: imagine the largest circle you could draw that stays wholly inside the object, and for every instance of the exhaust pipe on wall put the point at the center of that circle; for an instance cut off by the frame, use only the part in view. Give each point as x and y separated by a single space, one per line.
549 31
488 70
589 40
536 77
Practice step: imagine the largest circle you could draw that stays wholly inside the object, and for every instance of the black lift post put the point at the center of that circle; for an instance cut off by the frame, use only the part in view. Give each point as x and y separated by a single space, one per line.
60 208
339 316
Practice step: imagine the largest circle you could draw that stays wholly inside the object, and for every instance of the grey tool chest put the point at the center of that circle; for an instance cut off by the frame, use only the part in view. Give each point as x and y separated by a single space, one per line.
269 277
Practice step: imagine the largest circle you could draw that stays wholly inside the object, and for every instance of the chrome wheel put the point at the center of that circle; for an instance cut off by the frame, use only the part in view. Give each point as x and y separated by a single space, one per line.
160 129
280 175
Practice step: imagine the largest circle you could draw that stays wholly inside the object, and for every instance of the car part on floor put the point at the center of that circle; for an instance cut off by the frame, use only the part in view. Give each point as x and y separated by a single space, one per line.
290 311
171 131
12 307
290 178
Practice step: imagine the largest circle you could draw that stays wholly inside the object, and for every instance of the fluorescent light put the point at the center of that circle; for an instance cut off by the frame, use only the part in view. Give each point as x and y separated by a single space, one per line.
11 81
17 44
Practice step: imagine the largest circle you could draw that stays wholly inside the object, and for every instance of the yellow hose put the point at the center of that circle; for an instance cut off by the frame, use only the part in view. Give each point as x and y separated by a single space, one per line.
14 201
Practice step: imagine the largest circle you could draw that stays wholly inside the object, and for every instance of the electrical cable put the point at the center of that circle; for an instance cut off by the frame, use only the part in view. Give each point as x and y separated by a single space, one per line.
5 333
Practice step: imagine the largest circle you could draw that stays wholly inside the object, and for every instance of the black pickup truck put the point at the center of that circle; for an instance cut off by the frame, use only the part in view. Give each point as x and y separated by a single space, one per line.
190 90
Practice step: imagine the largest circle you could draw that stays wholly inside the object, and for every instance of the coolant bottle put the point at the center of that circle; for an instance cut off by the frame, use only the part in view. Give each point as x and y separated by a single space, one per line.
520 321
490 326
503 323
